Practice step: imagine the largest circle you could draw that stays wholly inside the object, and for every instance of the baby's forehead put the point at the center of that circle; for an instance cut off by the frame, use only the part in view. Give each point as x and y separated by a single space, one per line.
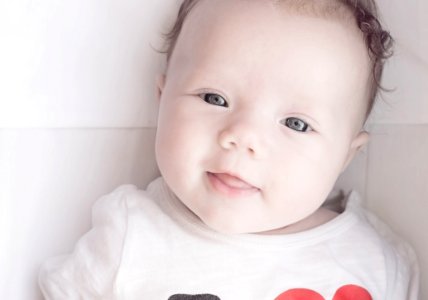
211 23
214 14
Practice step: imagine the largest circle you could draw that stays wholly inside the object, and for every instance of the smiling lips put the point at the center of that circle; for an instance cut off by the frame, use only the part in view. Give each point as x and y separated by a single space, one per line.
231 185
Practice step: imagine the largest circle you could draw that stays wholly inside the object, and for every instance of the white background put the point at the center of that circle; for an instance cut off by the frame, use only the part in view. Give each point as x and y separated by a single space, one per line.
78 117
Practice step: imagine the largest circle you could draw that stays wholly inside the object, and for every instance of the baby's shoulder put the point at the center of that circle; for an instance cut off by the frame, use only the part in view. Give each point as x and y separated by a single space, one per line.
115 199
119 203
375 245
398 253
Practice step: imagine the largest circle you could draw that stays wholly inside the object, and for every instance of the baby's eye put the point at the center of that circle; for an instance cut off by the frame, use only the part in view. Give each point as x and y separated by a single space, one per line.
296 124
214 99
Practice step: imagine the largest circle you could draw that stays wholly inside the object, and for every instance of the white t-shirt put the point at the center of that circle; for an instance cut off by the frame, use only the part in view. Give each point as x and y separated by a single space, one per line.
148 245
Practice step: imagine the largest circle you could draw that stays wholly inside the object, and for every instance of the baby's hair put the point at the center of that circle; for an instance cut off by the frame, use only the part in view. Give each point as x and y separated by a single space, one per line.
378 41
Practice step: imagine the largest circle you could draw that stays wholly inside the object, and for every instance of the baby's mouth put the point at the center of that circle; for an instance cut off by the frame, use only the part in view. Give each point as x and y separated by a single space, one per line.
231 185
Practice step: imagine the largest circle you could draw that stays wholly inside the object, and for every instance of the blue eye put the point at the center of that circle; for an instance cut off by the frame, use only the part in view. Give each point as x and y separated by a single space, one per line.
296 124
214 99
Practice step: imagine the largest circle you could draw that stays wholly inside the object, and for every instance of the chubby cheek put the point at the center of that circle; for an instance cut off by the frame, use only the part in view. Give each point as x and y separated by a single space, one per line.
304 180
178 146
167 156
171 144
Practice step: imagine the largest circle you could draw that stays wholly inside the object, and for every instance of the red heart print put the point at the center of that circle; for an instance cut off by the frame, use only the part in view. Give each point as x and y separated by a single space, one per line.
346 292
352 292
299 294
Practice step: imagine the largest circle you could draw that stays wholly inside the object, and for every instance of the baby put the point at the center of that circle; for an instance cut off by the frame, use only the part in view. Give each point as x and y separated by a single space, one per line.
262 107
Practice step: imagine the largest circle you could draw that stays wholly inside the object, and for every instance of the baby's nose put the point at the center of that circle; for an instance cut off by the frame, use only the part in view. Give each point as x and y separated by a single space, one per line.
244 136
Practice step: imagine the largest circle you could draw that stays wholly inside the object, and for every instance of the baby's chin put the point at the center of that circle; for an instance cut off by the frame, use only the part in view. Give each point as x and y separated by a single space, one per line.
247 225
235 227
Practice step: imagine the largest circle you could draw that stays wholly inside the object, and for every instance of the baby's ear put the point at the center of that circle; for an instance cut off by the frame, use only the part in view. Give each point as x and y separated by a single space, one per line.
359 141
160 83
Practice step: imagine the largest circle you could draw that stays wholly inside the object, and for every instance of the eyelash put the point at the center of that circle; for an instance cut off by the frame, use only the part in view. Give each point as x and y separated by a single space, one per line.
289 122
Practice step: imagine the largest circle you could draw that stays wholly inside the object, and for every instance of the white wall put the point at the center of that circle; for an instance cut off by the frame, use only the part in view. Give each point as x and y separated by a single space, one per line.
77 118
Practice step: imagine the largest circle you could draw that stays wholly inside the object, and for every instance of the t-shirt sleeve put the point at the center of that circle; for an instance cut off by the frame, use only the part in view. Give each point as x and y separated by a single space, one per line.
403 272
89 272
401 264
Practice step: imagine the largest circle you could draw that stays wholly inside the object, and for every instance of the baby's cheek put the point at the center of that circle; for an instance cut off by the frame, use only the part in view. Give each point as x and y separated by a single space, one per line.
325 159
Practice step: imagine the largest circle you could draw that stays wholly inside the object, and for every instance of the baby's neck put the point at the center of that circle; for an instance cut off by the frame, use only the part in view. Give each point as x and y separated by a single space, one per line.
319 217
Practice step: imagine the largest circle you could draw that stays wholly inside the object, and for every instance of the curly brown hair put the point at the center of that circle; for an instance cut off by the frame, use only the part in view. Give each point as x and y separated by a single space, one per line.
365 12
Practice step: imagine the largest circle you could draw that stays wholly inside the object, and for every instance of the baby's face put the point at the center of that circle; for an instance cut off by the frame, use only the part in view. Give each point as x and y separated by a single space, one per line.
260 111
